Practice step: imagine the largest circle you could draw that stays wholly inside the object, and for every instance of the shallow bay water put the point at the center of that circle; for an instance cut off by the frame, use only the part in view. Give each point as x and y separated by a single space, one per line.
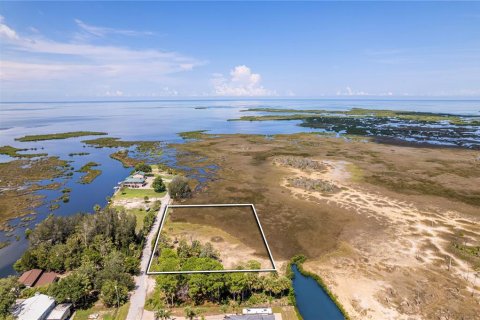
149 120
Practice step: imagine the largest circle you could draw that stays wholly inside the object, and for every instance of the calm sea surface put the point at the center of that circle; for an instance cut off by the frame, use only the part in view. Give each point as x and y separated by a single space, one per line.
152 120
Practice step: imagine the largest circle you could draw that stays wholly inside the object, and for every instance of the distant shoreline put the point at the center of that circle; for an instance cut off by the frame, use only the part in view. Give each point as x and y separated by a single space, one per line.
249 99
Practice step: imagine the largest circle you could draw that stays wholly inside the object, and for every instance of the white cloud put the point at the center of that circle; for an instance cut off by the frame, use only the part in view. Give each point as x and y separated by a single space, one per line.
242 82
6 31
114 93
84 66
351 93
103 31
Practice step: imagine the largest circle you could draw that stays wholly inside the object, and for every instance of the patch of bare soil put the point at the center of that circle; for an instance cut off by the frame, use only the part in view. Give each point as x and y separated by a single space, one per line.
378 222
199 224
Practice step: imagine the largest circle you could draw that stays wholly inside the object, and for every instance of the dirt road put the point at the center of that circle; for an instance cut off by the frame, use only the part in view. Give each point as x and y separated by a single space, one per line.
137 299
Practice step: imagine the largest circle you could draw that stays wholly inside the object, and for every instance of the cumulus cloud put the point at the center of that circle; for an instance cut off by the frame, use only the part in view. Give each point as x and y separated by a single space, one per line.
242 82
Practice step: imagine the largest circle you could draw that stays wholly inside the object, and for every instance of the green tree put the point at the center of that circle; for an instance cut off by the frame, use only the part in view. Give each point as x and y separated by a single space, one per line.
237 284
168 261
163 314
9 289
113 293
56 258
143 167
178 188
252 279
26 262
158 185
74 288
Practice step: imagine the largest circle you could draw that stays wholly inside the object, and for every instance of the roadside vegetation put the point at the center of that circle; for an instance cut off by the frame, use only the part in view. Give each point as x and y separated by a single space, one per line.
246 289
57 136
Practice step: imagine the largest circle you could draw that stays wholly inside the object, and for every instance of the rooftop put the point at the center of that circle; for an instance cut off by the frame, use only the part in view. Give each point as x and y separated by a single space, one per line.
46 278
59 311
29 277
251 317
34 308
131 179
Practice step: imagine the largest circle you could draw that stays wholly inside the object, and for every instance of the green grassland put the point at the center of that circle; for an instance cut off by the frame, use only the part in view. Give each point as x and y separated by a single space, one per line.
106 313
127 193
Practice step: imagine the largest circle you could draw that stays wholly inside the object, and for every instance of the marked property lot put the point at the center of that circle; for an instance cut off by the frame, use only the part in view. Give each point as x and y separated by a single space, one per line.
203 227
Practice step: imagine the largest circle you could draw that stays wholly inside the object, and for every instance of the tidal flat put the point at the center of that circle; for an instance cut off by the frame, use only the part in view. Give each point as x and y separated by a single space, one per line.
18 184
370 213
389 226
386 126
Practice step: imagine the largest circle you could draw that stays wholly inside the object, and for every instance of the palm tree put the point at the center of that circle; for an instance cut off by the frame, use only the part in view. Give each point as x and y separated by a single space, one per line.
190 313
163 314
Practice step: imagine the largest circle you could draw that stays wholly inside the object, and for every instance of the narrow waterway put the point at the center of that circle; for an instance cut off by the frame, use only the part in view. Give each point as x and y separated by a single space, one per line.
312 301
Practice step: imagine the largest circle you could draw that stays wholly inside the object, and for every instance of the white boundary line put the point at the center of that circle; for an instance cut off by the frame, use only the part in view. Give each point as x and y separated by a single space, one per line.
164 216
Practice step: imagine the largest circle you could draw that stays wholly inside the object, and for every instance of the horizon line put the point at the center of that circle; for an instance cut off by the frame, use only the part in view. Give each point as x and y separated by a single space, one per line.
453 98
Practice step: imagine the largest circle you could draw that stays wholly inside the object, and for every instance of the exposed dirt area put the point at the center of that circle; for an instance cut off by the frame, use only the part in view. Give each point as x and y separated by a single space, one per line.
378 222
232 251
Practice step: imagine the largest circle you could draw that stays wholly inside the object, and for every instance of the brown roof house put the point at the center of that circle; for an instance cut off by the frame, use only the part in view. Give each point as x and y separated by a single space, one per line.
37 278
46 278
28 278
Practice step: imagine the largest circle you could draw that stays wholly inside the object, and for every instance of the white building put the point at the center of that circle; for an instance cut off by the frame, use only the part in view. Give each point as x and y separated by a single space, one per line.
35 308
61 312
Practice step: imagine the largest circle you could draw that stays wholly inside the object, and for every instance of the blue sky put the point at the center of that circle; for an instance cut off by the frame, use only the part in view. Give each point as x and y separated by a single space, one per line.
154 50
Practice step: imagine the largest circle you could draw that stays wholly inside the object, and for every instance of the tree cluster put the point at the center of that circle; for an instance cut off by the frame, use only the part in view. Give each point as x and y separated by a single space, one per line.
214 287
143 167
179 188
100 252
9 290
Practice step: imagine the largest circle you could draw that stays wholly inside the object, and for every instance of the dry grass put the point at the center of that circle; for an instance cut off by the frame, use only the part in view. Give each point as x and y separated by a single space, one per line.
359 242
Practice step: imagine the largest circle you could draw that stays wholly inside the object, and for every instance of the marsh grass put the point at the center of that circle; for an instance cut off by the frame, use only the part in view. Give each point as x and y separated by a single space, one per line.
14 152
91 174
57 136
